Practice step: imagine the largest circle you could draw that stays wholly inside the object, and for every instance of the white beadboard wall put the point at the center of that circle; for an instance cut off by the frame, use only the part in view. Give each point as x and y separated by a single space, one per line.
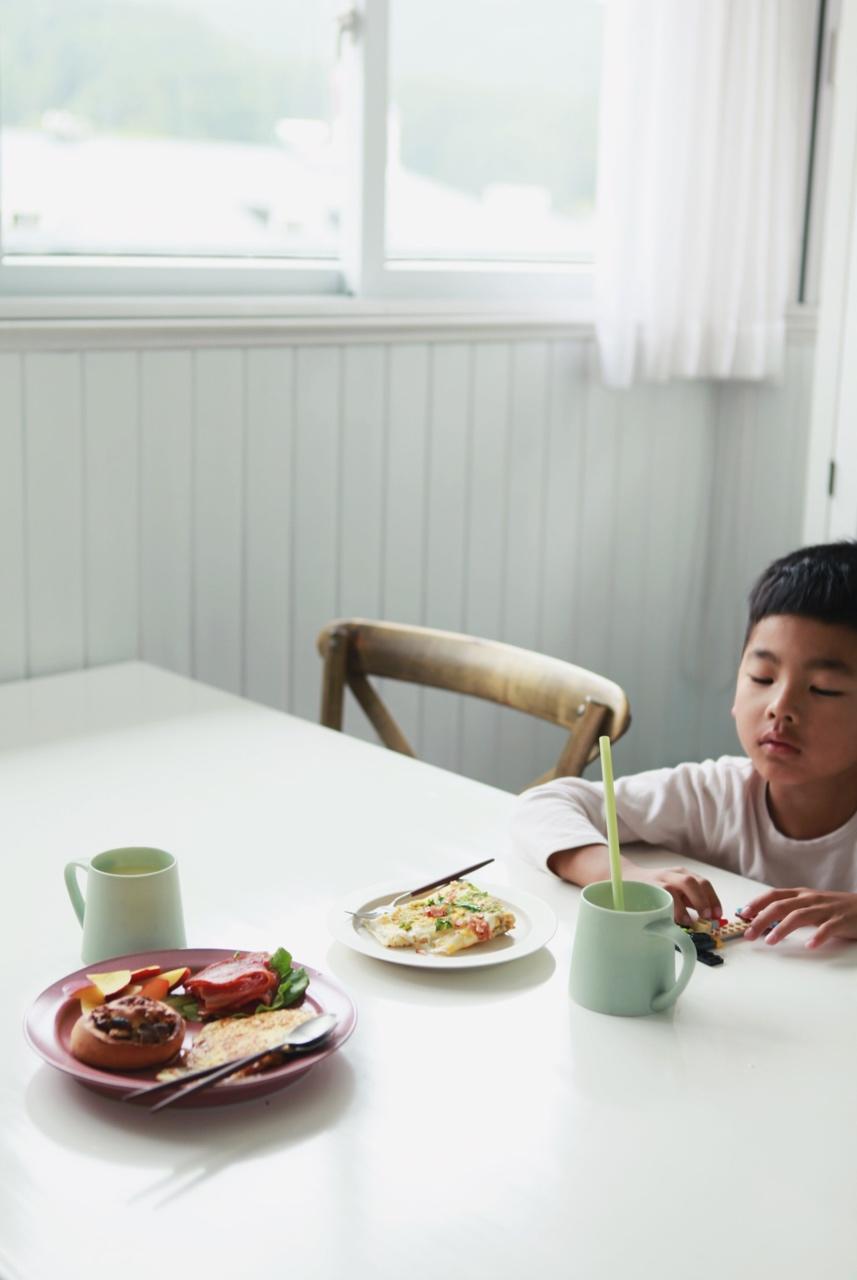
208 508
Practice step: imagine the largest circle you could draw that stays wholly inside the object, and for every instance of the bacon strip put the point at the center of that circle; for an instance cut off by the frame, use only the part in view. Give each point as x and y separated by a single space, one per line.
229 984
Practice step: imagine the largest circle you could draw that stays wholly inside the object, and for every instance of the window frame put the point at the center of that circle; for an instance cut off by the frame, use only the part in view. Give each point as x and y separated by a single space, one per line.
367 270
829 17
131 286
361 276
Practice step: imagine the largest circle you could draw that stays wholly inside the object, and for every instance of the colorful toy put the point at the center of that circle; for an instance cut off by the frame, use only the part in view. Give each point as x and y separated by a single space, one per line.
705 948
721 930
709 935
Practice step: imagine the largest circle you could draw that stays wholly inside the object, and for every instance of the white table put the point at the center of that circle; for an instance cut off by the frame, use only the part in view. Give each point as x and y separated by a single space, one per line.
477 1122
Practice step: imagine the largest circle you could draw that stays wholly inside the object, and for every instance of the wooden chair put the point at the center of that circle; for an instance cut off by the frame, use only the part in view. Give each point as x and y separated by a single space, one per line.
576 699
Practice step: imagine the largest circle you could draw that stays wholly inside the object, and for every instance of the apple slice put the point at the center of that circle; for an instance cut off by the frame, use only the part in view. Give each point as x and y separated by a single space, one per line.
110 984
142 975
103 986
176 976
156 988
160 986
90 997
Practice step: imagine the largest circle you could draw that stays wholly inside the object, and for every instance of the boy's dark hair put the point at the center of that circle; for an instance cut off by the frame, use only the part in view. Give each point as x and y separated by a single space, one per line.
814 582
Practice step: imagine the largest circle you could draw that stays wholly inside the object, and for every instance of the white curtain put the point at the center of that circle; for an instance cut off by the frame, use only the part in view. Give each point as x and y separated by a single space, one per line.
705 109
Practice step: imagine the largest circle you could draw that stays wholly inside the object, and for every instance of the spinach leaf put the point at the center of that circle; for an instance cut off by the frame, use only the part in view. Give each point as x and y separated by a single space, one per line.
185 1005
281 960
293 982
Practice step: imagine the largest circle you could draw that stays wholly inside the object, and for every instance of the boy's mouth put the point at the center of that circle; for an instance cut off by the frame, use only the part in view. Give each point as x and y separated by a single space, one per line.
776 746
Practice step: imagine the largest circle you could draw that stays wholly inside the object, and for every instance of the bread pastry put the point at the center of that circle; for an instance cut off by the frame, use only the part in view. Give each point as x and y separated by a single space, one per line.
128 1034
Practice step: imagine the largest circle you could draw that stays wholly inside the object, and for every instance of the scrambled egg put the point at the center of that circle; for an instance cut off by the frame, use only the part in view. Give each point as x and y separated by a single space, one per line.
225 1039
451 918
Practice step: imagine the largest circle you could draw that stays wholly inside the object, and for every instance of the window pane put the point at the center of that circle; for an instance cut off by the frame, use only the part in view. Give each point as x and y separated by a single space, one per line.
492 131
169 127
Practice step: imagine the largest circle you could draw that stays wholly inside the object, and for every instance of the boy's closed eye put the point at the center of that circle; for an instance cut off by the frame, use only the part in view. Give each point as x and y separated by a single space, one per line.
813 688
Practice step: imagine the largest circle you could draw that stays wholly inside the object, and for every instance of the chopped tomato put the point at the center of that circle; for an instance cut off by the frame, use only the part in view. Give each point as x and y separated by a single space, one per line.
481 928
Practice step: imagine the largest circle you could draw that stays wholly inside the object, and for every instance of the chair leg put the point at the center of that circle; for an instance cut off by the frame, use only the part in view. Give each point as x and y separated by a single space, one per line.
333 678
382 722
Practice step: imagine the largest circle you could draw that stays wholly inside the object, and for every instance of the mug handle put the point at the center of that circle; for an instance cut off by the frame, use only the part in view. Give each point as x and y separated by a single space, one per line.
74 889
688 953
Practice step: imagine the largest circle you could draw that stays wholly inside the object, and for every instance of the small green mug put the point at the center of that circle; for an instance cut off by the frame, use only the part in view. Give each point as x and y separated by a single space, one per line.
133 902
624 961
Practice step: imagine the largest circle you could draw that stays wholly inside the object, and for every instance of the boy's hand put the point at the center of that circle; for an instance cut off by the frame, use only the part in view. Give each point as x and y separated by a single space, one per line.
688 890
591 862
784 910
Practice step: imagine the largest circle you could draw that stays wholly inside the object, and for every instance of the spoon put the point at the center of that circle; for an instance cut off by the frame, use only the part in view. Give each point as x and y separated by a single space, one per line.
304 1036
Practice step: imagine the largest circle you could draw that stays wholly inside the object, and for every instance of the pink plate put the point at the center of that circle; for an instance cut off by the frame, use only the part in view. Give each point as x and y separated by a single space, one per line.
52 1015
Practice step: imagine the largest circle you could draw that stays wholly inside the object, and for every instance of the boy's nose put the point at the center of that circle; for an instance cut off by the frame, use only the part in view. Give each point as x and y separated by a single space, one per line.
781 708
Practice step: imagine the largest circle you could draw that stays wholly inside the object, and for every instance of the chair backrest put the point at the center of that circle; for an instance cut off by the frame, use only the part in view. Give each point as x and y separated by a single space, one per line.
353 649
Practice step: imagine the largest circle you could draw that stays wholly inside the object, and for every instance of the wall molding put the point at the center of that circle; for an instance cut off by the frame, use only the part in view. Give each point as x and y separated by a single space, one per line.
63 324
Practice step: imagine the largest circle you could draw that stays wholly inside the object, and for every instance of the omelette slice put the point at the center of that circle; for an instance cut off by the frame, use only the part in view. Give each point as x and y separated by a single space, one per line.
226 1039
446 921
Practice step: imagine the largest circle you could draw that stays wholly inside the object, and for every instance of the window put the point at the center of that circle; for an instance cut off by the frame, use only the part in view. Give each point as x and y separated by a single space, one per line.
277 146
492 129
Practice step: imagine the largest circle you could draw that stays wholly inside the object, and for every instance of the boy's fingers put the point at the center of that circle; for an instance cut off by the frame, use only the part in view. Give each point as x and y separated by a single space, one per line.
765 919
680 912
824 931
701 896
764 900
691 892
794 920
714 904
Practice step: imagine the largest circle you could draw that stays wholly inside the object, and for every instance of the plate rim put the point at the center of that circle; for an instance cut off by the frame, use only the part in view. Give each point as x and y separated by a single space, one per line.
344 931
50 1003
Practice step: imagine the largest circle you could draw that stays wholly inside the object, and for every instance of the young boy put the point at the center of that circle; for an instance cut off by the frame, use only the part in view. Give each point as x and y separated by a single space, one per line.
786 814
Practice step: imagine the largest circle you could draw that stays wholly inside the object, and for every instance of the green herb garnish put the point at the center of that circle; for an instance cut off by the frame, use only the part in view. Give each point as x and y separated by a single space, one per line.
440 924
184 1005
293 982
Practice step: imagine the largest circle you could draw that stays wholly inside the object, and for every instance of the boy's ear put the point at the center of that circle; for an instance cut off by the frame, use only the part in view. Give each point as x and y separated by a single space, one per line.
732 711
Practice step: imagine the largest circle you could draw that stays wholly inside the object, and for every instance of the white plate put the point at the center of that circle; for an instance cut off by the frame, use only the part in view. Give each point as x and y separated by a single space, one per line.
535 924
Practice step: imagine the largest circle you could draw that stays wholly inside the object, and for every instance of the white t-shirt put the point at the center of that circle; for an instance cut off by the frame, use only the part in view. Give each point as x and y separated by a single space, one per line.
715 811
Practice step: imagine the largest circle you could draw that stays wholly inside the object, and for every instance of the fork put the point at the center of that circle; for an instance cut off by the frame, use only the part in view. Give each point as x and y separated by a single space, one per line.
414 893
304 1038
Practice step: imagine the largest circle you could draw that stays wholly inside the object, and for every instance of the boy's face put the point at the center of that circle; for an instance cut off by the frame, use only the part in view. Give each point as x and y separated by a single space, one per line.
796 700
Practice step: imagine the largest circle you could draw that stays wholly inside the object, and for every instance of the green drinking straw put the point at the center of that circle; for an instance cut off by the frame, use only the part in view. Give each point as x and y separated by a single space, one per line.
612 828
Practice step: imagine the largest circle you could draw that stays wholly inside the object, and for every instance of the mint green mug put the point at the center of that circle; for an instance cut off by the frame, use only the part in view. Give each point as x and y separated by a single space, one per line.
624 961
133 902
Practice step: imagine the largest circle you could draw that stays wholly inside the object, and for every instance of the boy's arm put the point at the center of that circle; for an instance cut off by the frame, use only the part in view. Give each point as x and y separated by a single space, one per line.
587 864
561 826
592 862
